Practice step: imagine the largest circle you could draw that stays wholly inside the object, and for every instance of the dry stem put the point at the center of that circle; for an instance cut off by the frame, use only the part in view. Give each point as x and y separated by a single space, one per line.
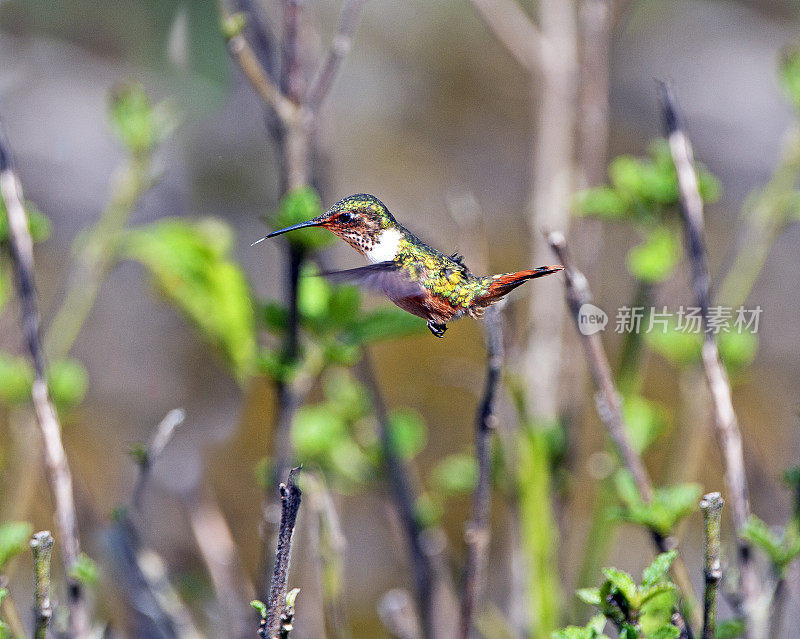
477 530
21 248
725 421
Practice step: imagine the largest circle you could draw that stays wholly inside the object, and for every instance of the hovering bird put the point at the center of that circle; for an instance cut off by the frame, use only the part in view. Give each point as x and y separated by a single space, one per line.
416 277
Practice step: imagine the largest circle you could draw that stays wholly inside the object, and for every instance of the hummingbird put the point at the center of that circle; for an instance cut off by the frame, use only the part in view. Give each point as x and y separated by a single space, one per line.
416 277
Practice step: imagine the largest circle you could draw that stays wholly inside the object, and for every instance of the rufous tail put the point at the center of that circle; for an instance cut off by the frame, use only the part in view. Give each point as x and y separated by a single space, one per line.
502 284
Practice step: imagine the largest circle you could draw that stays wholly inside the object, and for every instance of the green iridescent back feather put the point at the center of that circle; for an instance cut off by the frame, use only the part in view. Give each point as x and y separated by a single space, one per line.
441 275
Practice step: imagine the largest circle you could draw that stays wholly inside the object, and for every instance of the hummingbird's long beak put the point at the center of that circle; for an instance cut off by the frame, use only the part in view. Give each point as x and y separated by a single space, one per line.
317 221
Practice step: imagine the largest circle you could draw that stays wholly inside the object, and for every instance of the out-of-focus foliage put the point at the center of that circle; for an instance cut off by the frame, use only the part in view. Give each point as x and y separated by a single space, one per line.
14 538
68 381
667 508
789 74
781 546
645 420
39 224
455 474
338 434
300 205
191 266
85 570
5 633
335 323
138 123
592 630
643 611
644 192
682 348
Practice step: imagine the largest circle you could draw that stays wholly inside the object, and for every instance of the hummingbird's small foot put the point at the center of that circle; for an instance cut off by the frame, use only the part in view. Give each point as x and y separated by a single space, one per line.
437 329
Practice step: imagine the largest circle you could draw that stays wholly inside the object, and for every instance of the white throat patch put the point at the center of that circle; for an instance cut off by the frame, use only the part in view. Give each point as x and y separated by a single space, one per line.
385 247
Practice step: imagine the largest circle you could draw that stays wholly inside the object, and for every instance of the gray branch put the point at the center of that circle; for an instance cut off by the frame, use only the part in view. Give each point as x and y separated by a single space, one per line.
277 608
477 531
60 478
726 424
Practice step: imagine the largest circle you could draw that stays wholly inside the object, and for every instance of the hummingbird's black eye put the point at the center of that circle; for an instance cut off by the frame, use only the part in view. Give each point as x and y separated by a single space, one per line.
345 217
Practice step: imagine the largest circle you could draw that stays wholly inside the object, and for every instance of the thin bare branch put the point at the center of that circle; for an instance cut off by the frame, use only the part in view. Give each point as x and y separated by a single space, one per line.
402 487
726 424
514 29
607 399
21 249
396 610
248 61
161 437
609 410
340 47
477 531
290 506
42 547
221 558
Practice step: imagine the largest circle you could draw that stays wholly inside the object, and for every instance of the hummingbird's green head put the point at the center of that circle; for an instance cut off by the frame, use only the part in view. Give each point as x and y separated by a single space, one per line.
358 219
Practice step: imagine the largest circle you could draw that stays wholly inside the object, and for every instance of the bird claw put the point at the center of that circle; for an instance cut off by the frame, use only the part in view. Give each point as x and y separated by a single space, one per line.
437 329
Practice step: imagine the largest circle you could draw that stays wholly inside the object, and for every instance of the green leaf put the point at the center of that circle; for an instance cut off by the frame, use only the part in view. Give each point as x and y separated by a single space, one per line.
602 202
782 548
644 419
137 123
669 505
300 205
657 571
260 607
85 570
347 397
789 74
679 347
655 590
315 430
275 316
16 377
291 597
39 225
737 350
629 632
624 583
383 323
14 538
666 632
313 295
343 305
590 596
730 629
455 474
68 381
409 433
428 511
655 259
190 264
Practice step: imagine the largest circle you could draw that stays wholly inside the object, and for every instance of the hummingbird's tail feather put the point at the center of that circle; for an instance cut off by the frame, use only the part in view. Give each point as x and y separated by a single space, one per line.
502 284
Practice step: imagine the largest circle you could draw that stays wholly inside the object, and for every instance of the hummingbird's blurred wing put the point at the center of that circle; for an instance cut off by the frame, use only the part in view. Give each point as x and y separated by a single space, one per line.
384 277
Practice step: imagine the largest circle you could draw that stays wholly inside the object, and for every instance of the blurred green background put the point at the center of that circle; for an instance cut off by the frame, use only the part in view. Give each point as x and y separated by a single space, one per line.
428 108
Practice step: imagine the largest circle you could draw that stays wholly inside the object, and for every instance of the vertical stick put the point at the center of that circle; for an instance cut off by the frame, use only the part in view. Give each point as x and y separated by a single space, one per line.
42 547
477 531
726 424
21 249
403 493
290 506
711 505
